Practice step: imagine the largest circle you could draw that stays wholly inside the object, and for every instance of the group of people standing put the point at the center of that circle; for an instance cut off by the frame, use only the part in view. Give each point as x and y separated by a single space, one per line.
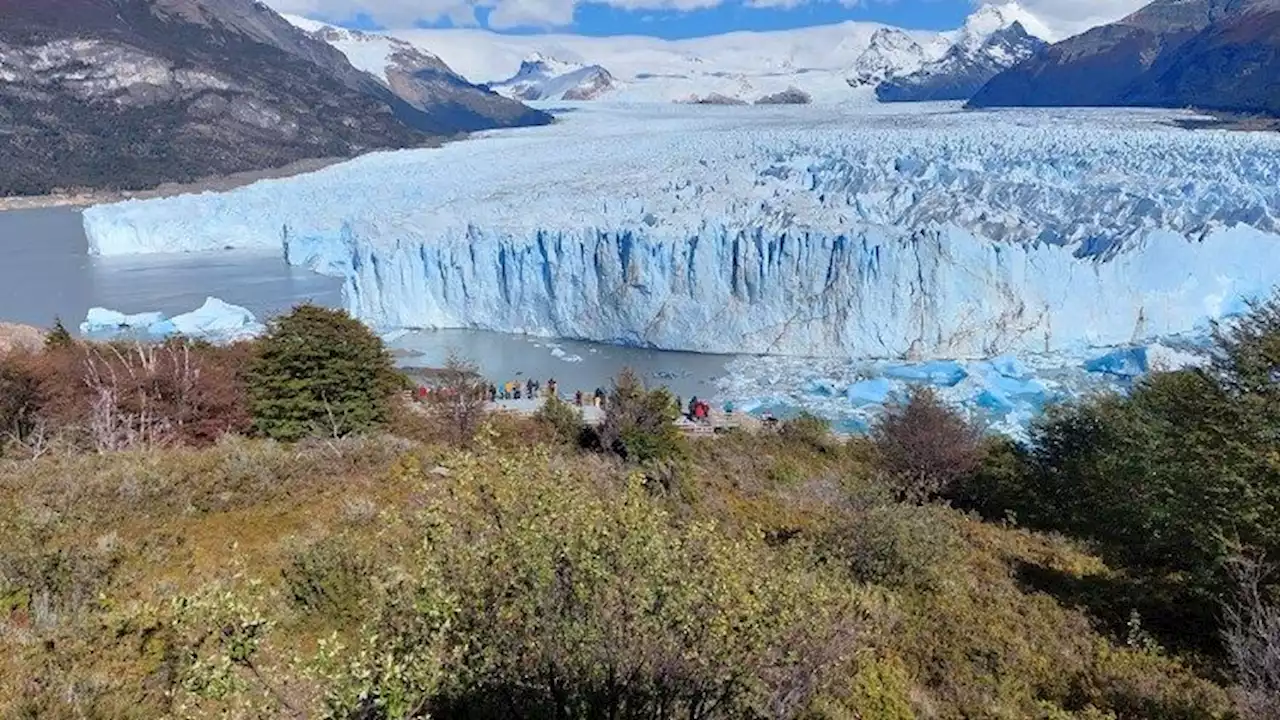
533 389
515 390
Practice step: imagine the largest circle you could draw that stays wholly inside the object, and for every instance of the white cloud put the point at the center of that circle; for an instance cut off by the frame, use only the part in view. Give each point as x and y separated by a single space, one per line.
1072 17
1062 17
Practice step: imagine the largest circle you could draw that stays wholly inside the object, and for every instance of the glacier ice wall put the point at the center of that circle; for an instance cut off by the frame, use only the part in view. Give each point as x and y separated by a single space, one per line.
805 231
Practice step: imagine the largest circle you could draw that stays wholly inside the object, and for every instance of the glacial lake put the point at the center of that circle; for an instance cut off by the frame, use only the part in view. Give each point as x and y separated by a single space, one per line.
47 271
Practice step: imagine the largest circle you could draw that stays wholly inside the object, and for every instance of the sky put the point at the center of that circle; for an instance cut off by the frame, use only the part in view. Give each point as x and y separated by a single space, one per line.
685 18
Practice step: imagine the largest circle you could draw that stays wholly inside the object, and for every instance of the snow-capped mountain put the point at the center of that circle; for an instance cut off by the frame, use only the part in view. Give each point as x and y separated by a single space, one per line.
891 53
419 77
831 63
546 78
741 66
992 40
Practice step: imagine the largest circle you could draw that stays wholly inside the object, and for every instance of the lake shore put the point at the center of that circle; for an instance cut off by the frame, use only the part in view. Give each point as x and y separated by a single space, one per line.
221 183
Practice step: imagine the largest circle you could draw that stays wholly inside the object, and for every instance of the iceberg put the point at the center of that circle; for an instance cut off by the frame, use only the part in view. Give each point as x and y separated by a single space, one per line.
101 320
906 233
943 373
1123 363
215 321
869 392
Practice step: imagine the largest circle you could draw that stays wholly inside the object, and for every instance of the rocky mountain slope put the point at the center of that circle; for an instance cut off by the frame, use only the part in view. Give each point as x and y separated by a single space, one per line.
422 79
124 94
992 40
1212 54
891 53
546 78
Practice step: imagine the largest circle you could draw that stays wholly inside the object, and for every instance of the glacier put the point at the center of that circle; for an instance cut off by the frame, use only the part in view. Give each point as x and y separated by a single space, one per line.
910 232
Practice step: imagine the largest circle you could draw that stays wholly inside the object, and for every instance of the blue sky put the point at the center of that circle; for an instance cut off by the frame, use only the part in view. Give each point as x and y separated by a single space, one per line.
685 18
599 19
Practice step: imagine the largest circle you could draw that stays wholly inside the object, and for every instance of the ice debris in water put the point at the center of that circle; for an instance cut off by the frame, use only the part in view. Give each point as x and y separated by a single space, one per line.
875 233
215 320
1003 393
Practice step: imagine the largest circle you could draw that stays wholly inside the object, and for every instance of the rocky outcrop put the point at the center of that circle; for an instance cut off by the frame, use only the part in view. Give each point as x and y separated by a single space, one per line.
14 336
128 94
790 96
423 80
1212 54
891 53
545 78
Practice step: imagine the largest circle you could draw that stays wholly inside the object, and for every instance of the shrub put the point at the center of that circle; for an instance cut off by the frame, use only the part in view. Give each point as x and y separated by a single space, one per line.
639 424
459 400
59 338
320 372
881 690
807 429
997 489
925 447
1251 634
19 396
564 421
895 545
329 577
594 606
117 396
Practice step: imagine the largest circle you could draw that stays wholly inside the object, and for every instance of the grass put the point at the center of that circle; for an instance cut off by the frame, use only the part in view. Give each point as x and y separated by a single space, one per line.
107 542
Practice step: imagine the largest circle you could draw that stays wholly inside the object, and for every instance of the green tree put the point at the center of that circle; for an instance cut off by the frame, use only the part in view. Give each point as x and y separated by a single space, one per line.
58 337
564 420
320 372
1175 478
639 423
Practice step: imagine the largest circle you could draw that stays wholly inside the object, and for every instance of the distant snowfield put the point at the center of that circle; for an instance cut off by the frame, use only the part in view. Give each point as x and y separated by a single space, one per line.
744 64
908 232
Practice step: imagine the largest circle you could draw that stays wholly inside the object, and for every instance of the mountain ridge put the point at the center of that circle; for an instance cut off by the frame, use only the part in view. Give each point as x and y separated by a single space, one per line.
1211 54
130 94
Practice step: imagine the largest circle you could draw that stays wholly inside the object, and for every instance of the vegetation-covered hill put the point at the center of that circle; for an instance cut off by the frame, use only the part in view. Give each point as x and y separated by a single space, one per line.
157 560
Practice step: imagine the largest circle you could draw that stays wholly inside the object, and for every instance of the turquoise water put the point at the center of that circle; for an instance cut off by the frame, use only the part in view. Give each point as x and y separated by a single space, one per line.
46 271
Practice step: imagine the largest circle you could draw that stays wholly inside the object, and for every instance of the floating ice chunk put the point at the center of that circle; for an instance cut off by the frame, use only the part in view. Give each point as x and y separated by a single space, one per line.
103 321
1008 366
869 392
1124 363
217 319
394 335
944 373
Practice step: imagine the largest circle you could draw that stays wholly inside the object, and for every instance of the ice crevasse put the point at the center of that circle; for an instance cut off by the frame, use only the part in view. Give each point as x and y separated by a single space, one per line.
802 231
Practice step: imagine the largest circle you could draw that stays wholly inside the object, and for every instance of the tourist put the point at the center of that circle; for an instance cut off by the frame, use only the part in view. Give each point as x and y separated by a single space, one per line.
577 398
